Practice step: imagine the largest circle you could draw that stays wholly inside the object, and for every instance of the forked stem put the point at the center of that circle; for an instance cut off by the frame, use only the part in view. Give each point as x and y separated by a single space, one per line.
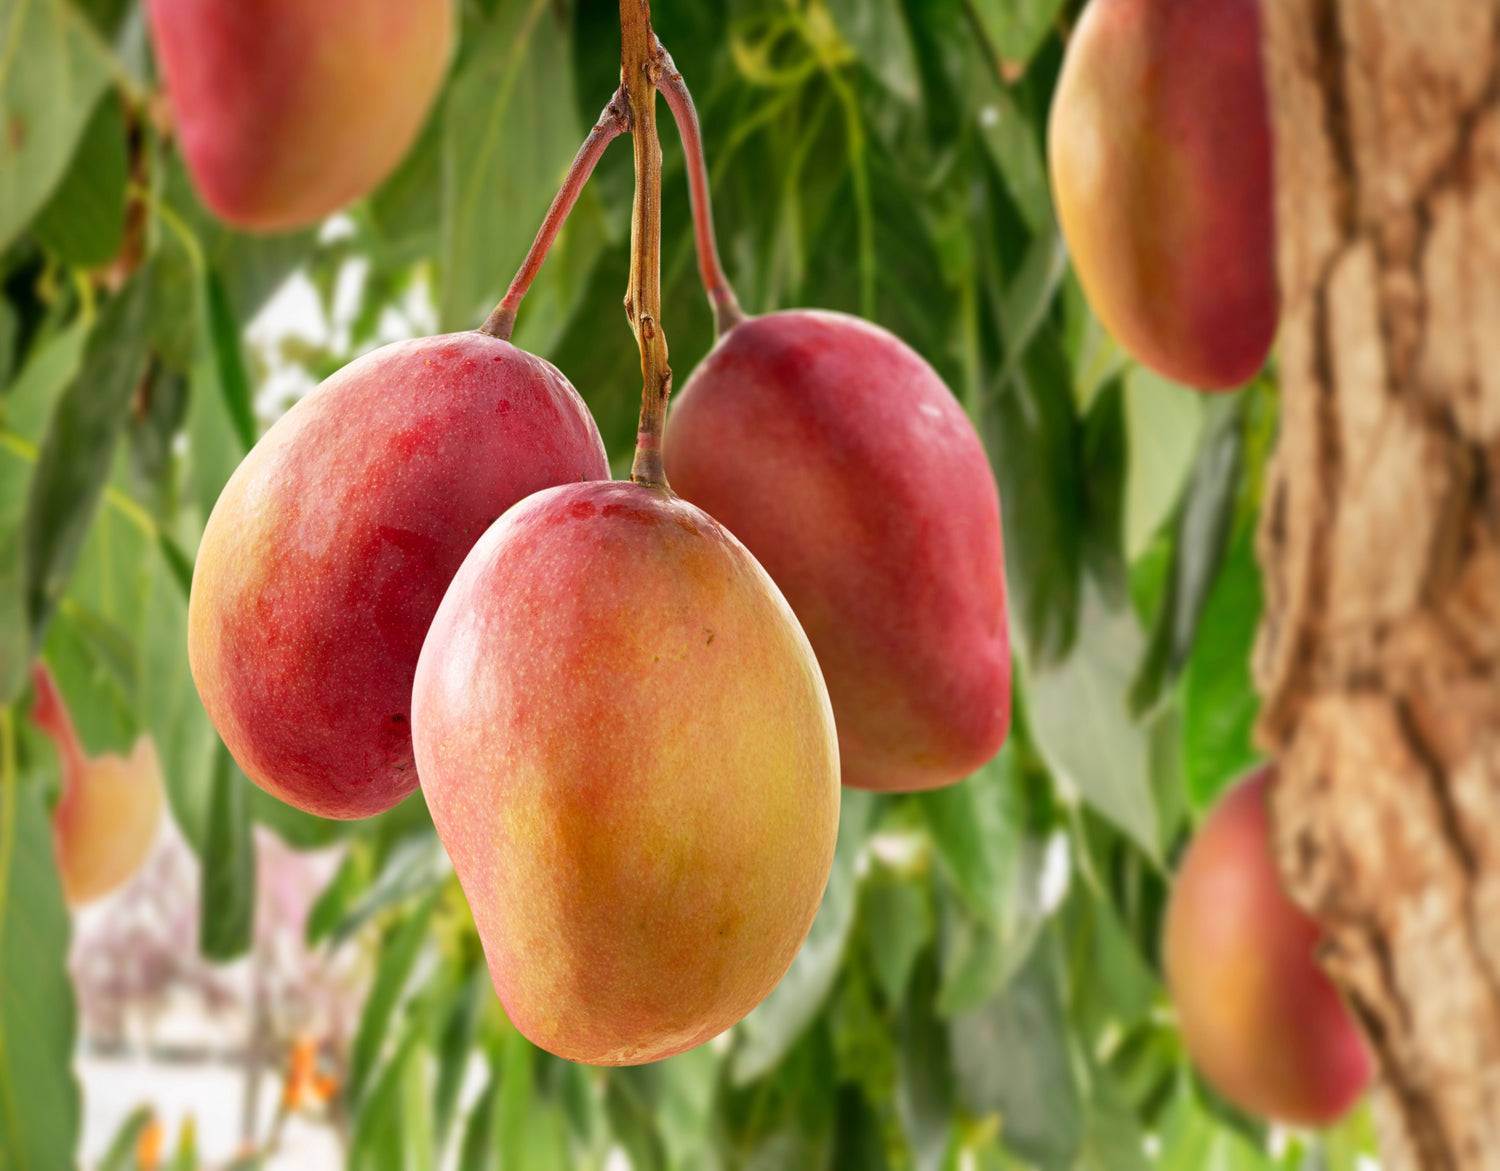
727 312
614 121
640 71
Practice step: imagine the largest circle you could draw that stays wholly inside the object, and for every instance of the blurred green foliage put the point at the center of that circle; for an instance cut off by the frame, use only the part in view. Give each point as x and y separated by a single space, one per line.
982 987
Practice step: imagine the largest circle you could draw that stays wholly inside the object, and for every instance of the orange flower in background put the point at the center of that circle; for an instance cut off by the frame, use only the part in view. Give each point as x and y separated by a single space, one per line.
148 1146
305 1086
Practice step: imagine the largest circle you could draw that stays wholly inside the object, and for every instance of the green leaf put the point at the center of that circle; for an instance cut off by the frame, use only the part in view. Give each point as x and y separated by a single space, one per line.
684 1109
1164 422
477 1150
529 1130
510 132
897 921
1110 981
52 71
1194 1140
379 1142
216 442
250 268
15 632
1350 1145
1112 1139
978 958
857 1141
1204 526
39 1099
10 326
416 1114
79 449
876 31
1104 461
406 209
630 1101
776 1024
95 667
229 362
347 883
1219 701
1011 1057
171 710
398 956
1012 144
227 918
417 865
978 827
121 1153
454 1043
1029 296
1096 357
1016 28
185 1158
84 221
924 1077
1082 723
1034 442
49 370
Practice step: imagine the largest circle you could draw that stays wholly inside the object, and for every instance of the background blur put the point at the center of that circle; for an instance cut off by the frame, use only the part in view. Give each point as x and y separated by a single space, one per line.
982 986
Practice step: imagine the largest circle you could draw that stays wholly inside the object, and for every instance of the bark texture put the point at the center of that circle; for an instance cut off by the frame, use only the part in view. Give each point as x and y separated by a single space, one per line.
1379 655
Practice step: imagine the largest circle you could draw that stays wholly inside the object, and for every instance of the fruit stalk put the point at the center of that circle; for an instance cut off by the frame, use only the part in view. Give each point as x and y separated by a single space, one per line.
727 312
614 121
640 70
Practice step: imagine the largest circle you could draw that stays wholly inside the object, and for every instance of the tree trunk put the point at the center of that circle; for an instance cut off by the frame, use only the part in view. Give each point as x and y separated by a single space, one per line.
1379 655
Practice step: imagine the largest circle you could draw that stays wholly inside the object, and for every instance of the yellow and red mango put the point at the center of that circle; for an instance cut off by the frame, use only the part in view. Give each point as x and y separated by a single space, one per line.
329 550
1160 152
838 456
110 809
1260 1018
287 110
628 751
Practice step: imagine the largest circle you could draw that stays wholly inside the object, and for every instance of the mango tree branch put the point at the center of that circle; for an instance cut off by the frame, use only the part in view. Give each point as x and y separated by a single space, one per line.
640 69
613 122
727 312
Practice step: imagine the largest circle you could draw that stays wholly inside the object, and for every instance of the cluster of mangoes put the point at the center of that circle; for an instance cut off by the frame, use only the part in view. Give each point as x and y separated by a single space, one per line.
630 711
619 720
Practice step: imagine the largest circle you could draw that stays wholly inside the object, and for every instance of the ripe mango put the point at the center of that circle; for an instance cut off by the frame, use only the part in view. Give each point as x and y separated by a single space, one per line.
628 751
1160 151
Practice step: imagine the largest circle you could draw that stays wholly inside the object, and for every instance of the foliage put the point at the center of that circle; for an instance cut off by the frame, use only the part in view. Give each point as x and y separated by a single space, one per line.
982 986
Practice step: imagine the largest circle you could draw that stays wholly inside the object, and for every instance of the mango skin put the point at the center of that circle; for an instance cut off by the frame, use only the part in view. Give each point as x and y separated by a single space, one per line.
287 110
1260 1018
110 810
628 751
838 456
329 550
1160 152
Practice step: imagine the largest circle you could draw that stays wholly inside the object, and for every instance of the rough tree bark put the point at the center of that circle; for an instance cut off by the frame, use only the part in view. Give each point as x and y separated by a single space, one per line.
1379 655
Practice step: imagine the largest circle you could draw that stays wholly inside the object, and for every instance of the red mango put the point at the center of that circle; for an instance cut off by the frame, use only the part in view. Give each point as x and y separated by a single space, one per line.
1261 1019
838 456
1160 151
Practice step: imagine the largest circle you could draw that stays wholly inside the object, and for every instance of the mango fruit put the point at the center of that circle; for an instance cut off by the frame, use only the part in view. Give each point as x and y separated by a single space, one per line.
836 454
1159 144
1261 1020
288 110
330 548
110 809
628 751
